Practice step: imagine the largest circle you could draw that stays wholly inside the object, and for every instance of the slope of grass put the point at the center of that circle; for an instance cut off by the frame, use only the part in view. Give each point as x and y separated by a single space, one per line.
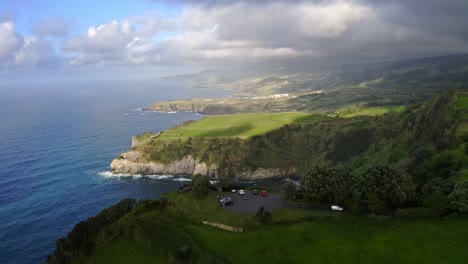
369 111
205 209
155 235
349 240
242 125
145 238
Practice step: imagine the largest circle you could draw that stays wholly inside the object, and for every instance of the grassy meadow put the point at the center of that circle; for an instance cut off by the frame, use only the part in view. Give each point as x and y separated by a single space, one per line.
241 125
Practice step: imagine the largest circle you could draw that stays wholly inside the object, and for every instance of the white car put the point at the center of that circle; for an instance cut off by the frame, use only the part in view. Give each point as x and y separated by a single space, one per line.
336 208
242 192
233 190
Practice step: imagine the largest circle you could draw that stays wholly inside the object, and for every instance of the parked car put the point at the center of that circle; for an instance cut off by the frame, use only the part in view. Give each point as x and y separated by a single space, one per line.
226 201
336 208
264 193
233 190
255 192
241 192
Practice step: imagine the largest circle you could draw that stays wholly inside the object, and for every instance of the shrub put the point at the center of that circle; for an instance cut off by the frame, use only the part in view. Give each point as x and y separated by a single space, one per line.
459 197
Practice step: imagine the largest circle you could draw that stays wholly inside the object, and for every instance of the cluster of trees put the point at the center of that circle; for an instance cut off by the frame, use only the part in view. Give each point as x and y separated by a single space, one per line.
378 189
200 185
80 240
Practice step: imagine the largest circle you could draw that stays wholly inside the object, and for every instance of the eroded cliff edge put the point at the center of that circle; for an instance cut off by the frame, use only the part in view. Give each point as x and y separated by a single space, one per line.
131 163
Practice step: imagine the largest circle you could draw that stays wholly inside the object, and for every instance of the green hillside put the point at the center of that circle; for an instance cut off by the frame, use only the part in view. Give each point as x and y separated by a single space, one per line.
242 125
154 234
405 140
376 86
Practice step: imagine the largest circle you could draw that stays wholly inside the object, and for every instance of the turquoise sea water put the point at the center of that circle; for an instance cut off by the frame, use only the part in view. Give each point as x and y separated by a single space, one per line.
56 144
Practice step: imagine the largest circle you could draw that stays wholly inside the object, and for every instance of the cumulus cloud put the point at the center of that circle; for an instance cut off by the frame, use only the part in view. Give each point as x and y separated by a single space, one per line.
113 43
10 41
211 31
36 52
333 30
251 32
55 27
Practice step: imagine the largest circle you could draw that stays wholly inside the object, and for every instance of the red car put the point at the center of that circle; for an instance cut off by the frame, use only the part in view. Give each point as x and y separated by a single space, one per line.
264 193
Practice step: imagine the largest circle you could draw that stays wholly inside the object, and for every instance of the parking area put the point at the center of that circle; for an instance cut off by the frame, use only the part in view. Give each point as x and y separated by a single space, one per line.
253 202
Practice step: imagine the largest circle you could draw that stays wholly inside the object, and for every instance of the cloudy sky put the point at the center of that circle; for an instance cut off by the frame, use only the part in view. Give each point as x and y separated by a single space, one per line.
40 37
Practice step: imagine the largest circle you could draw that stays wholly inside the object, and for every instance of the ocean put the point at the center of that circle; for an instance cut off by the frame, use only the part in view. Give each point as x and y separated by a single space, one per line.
56 144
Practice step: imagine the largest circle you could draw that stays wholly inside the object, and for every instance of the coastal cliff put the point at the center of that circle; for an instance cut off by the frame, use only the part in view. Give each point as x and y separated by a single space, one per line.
292 149
132 163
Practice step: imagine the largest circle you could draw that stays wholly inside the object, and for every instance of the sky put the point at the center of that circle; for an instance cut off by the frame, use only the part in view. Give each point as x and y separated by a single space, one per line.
44 39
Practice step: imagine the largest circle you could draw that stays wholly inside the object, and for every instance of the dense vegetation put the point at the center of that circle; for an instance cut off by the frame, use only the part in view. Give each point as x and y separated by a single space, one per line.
80 241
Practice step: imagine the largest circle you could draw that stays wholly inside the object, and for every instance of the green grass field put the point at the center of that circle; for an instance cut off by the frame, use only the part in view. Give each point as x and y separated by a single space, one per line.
349 112
146 238
347 240
242 125
462 102
154 235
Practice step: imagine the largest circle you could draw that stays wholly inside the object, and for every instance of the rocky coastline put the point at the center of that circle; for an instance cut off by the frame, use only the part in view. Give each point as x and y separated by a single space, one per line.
133 163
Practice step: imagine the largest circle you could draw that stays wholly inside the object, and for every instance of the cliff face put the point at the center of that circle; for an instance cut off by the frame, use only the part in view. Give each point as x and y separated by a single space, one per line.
131 162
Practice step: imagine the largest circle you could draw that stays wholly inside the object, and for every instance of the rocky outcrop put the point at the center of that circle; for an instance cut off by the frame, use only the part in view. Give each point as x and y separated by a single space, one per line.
135 142
132 162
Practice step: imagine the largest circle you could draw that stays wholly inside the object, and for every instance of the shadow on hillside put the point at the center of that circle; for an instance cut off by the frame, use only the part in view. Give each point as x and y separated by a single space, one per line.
227 132
311 119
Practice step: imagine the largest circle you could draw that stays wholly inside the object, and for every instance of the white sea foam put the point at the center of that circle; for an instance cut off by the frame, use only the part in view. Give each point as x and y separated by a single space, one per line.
154 177
182 179
159 177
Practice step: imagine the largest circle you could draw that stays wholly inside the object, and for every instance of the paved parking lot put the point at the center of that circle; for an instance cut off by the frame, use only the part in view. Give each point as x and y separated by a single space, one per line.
253 202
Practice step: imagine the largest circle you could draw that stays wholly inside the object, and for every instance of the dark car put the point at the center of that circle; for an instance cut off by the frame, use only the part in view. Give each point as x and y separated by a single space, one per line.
226 201
255 192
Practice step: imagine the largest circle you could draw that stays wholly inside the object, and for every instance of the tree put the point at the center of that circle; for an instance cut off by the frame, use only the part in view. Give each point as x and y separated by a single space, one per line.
459 197
391 186
331 185
435 194
201 185
289 190
375 203
313 185
353 199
